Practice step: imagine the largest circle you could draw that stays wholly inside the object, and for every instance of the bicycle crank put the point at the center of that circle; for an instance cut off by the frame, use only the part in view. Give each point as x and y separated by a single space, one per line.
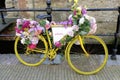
51 54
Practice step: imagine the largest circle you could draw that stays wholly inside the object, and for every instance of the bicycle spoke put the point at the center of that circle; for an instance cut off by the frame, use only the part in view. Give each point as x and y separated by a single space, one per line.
31 57
78 61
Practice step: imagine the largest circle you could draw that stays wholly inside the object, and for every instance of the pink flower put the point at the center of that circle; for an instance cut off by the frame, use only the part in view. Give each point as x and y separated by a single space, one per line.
26 24
19 22
58 44
75 12
38 32
32 46
53 23
93 29
47 26
17 30
92 20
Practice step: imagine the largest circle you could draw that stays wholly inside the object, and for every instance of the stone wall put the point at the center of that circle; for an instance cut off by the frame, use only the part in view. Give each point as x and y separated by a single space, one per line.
100 15
106 19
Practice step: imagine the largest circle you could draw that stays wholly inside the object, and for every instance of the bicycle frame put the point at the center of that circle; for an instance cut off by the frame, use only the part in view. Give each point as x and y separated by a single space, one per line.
80 39
52 51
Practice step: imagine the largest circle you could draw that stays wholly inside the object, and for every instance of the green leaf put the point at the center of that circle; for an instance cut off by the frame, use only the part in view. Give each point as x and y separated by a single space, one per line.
74 21
82 33
27 41
20 26
42 23
68 38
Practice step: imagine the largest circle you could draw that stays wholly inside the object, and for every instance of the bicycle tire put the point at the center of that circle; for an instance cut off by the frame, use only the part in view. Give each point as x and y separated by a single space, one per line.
82 68
38 58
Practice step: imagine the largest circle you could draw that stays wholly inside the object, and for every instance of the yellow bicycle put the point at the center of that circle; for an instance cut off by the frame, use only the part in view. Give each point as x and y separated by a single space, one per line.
83 58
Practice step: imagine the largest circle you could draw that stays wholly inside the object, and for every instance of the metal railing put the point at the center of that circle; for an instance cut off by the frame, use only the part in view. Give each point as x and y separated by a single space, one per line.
49 10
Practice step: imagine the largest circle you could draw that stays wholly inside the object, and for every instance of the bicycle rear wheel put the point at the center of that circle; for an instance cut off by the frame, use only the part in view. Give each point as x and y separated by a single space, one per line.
78 61
31 57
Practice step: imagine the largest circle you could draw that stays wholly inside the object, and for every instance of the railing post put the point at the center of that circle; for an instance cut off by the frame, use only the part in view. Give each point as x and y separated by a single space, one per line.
2 17
49 10
117 35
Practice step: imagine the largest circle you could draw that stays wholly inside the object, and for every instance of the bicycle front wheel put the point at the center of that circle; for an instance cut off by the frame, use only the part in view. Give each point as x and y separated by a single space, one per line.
82 63
31 57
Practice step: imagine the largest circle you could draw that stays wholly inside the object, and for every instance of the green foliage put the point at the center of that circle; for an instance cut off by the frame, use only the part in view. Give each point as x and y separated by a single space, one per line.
84 28
27 41
42 22
20 26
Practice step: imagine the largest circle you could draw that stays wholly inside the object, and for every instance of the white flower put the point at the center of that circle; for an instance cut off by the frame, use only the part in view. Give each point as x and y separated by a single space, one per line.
77 42
34 40
92 20
87 17
82 20
19 22
47 22
70 17
75 27
23 40
71 33
25 33
18 34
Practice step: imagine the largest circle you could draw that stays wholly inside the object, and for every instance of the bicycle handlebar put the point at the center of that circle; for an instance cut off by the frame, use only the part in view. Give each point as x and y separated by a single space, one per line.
43 16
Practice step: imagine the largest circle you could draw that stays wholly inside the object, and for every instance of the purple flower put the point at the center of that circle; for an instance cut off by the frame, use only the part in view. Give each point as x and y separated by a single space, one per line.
61 23
70 22
84 11
31 30
33 23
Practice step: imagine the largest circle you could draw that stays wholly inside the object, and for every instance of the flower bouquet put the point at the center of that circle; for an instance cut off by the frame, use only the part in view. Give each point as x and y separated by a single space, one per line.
28 30
82 24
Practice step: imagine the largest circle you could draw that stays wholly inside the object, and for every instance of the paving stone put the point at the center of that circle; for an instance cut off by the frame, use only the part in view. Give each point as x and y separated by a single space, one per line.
12 69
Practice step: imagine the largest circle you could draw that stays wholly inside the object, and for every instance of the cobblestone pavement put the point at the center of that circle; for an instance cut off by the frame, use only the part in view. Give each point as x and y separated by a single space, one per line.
12 69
